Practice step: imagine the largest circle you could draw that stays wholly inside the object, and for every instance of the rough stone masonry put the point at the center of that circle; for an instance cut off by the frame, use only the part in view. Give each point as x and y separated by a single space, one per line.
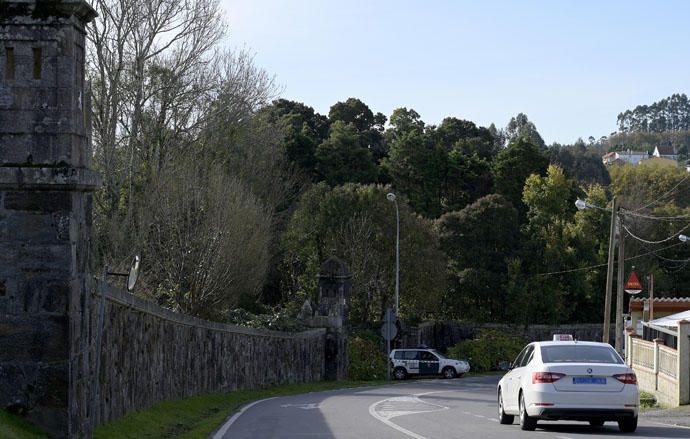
45 210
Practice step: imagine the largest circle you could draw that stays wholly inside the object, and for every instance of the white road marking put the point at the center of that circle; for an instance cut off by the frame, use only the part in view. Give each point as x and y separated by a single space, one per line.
401 406
311 406
224 429
493 419
670 425
479 416
563 437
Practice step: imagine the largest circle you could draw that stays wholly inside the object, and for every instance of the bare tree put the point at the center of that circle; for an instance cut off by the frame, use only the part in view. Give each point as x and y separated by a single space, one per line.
206 239
145 57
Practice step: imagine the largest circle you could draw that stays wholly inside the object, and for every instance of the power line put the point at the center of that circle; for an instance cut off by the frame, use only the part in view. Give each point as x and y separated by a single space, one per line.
674 236
679 267
677 261
603 265
632 213
664 195
573 270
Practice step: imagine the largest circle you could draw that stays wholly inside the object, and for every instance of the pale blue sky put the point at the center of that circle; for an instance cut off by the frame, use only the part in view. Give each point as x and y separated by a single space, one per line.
571 66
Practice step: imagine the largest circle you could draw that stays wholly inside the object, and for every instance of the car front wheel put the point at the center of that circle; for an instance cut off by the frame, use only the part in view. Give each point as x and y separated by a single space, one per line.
502 417
400 373
449 373
526 421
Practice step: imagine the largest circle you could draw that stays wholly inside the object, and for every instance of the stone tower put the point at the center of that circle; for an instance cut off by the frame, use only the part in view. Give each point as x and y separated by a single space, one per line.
45 213
335 285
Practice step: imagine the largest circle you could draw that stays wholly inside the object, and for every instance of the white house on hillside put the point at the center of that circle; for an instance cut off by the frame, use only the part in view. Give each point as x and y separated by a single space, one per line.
666 152
621 157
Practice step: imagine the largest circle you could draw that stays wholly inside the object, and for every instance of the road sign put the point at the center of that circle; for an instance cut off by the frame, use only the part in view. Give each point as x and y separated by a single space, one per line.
633 285
390 315
389 329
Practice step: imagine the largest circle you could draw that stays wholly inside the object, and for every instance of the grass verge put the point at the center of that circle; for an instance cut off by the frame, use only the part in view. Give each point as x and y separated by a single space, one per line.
14 427
198 416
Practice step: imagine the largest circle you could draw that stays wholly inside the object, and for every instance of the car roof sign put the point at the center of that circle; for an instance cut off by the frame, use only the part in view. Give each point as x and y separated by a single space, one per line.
562 337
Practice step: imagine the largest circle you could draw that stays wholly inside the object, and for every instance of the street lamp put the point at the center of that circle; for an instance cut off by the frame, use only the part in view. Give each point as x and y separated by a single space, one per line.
391 197
581 204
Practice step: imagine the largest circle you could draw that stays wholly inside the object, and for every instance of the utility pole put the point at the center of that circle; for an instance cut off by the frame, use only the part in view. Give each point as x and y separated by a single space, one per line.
619 295
651 296
609 273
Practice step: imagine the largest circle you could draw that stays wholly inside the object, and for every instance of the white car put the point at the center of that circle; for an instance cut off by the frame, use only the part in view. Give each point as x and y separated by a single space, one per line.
406 362
569 380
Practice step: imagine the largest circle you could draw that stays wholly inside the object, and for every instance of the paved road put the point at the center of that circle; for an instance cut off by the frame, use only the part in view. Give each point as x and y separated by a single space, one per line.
420 409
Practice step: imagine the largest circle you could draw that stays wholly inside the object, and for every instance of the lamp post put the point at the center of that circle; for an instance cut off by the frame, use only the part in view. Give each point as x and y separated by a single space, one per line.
391 197
581 204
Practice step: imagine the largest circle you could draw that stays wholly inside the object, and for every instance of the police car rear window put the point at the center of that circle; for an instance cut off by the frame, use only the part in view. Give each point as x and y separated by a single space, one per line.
579 354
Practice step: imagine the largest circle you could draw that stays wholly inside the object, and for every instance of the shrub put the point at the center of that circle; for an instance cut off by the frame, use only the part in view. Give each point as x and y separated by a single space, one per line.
366 361
487 350
279 320
647 400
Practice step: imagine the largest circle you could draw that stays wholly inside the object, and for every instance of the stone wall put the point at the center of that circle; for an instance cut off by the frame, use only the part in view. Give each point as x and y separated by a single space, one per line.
151 354
444 334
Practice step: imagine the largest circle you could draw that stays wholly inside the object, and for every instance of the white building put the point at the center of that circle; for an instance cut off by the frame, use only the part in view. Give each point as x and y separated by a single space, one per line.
621 157
666 151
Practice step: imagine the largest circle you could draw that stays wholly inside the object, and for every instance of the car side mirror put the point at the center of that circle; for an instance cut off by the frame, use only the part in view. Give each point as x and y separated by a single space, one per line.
505 365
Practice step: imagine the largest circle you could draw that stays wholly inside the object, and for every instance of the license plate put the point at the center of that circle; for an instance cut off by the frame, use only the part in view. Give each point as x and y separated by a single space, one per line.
589 380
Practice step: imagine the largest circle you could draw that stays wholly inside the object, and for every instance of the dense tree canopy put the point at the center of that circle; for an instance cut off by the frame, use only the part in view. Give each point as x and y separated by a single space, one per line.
357 223
343 157
478 241
580 163
520 127
304 130
235 197
669 114
513 165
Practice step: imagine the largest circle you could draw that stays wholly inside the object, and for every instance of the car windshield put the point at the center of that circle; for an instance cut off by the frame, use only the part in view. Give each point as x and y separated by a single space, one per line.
438 354
579 354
